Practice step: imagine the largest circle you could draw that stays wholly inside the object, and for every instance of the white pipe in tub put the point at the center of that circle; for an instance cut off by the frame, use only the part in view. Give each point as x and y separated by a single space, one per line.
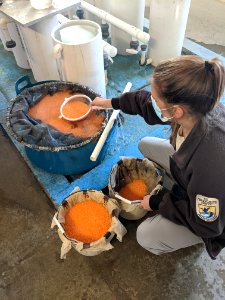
132 30
109 49
107 129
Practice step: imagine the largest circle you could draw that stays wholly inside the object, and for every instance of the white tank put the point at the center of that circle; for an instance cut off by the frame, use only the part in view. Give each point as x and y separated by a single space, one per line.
12 41
79 52
39 48
168 20
19 50
130 11
2 35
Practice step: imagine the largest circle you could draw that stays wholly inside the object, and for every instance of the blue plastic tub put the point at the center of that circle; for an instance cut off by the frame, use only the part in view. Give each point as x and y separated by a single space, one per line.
73 160
67 162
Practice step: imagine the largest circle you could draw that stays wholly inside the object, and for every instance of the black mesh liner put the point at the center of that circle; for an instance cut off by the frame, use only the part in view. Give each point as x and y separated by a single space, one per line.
37 135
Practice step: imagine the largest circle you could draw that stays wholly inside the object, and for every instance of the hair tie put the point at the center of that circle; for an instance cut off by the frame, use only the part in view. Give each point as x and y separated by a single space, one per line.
208 66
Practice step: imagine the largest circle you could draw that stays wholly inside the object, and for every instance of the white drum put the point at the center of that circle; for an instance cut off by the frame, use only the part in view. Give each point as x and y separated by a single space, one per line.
11 40
2 33
39 48
79 52
168 20
131 12
19 51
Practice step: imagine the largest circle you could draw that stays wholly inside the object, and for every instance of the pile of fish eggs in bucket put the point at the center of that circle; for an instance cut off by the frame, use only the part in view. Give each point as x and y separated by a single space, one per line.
87 220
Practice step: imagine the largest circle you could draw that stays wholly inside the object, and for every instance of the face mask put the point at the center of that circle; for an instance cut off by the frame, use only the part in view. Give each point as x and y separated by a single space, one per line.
158 111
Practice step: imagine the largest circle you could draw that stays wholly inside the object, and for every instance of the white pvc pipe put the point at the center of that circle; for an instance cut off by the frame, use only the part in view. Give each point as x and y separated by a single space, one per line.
132 30
127 201
107 129
101 4
109 49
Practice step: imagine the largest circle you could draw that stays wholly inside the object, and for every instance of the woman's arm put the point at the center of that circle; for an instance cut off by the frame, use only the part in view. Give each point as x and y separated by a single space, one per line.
133 103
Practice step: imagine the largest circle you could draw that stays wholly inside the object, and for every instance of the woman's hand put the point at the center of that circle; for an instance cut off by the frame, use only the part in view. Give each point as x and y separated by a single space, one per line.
99 103
145 203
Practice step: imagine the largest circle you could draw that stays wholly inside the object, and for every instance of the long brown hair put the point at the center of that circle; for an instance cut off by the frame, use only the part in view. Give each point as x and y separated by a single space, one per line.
192 81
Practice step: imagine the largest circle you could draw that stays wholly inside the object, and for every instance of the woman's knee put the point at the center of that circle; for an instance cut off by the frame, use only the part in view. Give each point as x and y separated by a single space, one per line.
143 144
150 145
146 235
140 235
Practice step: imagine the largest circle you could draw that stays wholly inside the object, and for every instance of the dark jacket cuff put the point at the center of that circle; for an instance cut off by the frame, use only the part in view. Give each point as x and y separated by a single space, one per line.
154 200
116 103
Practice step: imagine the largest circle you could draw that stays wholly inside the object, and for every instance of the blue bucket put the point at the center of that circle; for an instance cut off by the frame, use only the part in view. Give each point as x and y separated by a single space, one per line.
66 160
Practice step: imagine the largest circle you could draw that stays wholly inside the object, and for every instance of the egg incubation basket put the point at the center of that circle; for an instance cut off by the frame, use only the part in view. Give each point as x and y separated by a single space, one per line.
56 145
127 171
64 229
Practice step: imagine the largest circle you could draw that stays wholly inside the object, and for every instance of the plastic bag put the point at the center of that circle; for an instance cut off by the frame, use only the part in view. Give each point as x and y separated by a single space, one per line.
103 244
125 171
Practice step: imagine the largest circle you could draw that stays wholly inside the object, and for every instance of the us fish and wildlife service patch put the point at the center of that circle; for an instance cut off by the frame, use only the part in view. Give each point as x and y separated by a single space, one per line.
207 209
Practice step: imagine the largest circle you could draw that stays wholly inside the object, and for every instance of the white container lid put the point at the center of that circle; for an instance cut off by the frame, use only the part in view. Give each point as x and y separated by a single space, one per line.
41 4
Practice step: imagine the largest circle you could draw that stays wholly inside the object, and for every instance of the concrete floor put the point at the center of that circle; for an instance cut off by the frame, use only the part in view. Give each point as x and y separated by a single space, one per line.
30 267
206 22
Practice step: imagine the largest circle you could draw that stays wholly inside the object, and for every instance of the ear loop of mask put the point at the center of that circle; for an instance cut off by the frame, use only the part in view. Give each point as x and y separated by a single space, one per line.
158 111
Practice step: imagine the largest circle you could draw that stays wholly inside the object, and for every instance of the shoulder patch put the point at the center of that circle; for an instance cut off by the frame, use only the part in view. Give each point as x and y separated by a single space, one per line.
207 209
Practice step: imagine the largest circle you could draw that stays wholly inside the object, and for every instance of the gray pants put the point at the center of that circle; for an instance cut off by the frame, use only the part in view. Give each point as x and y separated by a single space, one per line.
157 234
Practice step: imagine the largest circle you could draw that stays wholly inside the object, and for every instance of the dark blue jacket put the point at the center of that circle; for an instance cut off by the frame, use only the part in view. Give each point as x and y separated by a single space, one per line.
197 201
